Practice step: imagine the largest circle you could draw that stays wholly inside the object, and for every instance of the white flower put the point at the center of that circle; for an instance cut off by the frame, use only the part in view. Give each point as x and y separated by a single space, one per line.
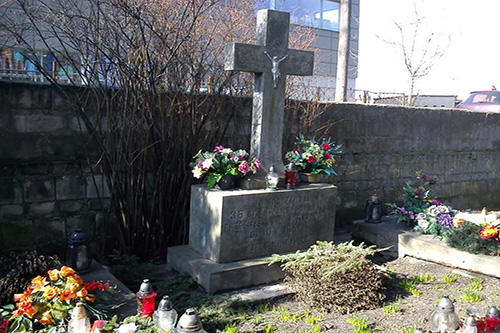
207 163
127 328
422 221
197 172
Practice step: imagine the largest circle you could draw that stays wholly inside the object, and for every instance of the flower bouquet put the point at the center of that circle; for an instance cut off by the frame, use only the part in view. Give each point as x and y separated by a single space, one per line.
221 162
314 156
470 232
49 301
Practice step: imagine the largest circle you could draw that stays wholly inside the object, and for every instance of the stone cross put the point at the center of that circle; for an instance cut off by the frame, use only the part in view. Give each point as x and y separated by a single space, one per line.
271 60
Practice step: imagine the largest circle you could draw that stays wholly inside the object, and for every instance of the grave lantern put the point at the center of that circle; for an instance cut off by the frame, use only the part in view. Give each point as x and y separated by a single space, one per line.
190 323
492 319
291 175
146 299
444 318
272 179
373 209
470 325
78 254
165 316
79 322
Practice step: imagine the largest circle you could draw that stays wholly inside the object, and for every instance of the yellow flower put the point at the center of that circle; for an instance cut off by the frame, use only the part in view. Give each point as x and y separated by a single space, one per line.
49 293
53 274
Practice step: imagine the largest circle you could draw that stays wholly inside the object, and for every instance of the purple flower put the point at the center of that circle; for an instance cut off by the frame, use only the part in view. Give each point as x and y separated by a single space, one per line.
446 220
436 202
218 149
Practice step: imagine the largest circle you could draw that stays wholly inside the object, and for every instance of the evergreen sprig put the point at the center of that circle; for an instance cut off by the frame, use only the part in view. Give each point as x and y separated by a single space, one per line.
333 258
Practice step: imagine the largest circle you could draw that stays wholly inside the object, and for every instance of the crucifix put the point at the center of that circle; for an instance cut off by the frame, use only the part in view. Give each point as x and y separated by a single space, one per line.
271 60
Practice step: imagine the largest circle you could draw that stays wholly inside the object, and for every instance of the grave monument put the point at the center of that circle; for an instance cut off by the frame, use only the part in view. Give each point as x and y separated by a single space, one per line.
233 232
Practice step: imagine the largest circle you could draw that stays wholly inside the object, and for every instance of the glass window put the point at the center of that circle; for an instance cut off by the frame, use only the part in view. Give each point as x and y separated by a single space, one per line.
322 14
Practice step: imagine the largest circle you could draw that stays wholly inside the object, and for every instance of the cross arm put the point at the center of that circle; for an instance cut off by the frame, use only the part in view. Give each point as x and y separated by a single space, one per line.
299 62
245 57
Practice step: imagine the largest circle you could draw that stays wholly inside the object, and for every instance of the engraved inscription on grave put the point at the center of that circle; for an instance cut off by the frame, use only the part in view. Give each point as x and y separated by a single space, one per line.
276 224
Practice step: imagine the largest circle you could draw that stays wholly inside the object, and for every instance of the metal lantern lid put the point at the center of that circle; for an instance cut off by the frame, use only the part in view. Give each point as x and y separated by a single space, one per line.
493 312
445 304
165 304
146 287
78 237
189 322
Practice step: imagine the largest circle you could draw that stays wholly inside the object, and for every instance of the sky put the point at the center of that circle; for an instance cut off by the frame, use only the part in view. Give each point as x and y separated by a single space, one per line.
467 30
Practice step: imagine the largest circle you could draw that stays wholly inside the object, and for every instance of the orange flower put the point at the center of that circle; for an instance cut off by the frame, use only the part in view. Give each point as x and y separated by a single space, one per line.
66 296
38 283
488 231
72 284
25 307
49 293
66 271
82 292
90 298
46 319
53 274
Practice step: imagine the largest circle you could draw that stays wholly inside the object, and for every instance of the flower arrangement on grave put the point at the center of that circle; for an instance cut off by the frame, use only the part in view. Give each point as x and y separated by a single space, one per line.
49 300
470 232
314 156
221 162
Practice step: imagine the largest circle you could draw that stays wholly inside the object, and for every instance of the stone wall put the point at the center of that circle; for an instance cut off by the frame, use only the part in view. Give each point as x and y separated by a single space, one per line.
385 145
47 189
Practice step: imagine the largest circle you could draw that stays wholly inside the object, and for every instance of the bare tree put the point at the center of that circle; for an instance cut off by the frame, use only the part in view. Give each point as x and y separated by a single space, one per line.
419 49
146 66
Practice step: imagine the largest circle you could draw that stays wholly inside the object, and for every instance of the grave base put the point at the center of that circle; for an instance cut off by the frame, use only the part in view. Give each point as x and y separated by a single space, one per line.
407 243
214 277
232 232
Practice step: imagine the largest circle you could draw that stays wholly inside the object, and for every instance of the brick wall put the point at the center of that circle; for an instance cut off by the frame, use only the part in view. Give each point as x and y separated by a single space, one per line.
46 188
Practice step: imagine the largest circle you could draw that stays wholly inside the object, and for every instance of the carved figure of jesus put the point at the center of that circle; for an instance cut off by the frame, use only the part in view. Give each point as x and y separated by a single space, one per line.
276 69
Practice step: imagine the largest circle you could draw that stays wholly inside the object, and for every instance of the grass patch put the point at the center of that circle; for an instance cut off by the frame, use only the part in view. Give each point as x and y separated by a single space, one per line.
475 284
471 296
408 286
391 308
359 325
423 277
450 278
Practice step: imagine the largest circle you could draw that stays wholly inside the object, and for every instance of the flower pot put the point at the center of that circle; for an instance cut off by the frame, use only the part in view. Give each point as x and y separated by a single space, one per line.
312 178
226 182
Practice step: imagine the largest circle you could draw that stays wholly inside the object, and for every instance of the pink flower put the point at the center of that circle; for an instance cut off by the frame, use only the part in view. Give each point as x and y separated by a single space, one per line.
244 168
257 163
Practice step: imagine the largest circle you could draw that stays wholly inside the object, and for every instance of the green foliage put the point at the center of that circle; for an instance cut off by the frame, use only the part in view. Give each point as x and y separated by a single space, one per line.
466 238
389 308
471 296
143 324
450 278
408 286
332 258
475 284
423 277
409 329
359 325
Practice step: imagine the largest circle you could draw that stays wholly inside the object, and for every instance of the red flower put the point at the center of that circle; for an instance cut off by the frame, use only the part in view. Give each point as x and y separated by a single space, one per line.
327 156
488 231
325 146
311 159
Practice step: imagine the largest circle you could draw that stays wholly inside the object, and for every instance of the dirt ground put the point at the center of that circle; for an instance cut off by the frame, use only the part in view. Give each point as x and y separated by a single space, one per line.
413 310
